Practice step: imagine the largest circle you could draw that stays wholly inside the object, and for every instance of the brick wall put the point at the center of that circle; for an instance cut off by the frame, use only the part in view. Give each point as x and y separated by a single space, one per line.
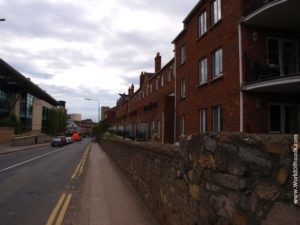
228 178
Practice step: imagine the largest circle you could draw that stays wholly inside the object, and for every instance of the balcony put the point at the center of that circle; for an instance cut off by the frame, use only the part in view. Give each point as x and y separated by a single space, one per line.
278 71
278 14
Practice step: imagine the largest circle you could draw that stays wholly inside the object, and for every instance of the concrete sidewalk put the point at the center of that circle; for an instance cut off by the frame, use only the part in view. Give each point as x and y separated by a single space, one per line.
107 197
7 148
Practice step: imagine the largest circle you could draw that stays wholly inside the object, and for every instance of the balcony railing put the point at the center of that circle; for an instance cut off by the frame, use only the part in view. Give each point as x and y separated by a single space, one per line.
259 72
252 5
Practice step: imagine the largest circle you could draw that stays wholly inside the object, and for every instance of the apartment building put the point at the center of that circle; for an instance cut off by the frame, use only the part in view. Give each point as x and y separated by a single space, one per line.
237 69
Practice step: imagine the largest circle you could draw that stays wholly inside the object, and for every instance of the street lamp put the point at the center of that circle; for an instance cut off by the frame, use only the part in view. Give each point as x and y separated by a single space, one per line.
89 99
1 20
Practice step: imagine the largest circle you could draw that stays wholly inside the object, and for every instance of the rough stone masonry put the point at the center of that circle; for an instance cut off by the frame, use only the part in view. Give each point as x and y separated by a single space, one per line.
213 179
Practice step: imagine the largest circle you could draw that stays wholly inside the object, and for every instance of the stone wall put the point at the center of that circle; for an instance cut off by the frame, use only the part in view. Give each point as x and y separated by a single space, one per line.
213 179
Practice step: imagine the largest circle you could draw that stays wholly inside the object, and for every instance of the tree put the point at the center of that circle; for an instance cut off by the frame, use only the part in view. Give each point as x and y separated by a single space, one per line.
57 122
100 129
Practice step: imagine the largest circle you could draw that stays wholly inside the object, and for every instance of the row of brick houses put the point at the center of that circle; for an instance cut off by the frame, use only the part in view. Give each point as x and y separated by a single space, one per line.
235 68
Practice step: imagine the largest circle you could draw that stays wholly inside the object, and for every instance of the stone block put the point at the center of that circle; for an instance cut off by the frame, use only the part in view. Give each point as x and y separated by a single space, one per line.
194 191
238 218
237 169
282 175
210 144
227 180
207 161
282 213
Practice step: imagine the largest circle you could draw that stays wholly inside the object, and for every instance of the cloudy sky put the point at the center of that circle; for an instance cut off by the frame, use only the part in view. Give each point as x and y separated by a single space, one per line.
76 49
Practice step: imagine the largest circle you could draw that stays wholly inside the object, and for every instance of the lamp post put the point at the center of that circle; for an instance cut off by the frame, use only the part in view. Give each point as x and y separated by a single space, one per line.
1 20
89 99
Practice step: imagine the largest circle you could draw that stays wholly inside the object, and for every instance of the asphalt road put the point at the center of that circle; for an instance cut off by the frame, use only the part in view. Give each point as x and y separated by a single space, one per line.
33 183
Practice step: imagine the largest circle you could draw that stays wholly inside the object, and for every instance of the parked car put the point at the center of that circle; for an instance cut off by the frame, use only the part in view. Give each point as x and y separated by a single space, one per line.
57 142
69 140
63 139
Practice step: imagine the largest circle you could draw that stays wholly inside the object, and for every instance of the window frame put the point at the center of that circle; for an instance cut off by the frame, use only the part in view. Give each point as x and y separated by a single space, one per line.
201 80
217 59
182 88
182 54
218 125
202 20
202 117
216 14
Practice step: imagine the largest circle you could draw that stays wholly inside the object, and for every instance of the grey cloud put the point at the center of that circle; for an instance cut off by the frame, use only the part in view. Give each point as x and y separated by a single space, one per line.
46 19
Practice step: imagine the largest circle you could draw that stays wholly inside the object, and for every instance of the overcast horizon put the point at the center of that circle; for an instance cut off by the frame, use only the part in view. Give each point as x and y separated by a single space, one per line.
88 49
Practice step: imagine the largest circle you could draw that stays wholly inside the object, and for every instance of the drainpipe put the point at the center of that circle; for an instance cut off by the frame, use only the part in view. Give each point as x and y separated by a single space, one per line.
241 78
175 105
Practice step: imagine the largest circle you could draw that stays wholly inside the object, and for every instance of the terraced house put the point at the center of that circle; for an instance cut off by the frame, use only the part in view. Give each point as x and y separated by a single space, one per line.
236 68
148 112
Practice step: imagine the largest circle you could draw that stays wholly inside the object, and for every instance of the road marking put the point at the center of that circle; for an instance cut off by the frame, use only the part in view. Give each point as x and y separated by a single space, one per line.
57 207
79 168
30 160
63 210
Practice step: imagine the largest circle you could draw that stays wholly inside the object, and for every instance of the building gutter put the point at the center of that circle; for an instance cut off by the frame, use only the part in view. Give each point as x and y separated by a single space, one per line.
241 78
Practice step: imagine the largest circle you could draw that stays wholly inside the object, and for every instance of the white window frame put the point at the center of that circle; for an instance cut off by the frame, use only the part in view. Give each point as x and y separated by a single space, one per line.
202 24
203 71
182 54
220 118
182 88
162 80
217 58
215 11
202 121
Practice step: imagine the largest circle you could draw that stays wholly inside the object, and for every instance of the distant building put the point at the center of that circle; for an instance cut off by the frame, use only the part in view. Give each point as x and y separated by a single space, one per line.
24 99
104 109
74 117
73 127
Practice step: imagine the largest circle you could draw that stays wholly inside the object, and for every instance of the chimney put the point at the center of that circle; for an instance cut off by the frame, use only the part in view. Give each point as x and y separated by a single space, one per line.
132 89
157 62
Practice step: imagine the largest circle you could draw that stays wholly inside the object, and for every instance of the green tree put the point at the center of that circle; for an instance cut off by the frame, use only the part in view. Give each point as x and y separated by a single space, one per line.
57 122
100 129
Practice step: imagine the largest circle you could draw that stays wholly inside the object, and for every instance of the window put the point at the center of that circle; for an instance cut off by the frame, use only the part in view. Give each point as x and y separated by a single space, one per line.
156 83
217 62
150 88
202 24
182 125
182 88
202 120
216 11
158 128
182 54
217 118
162 80
282 56
203 71
147 90
170 73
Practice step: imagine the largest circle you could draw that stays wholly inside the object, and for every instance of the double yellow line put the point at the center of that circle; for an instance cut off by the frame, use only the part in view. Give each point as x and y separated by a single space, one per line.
62 205
80 165
65 199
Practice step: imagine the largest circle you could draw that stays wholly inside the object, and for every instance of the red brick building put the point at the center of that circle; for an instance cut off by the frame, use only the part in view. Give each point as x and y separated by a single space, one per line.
237 70
148 112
